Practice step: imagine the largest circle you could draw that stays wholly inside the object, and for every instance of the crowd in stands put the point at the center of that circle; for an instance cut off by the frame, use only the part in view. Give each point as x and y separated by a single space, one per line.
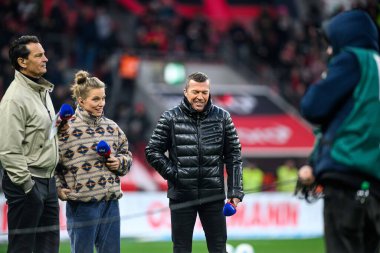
162 31
281 50
288 53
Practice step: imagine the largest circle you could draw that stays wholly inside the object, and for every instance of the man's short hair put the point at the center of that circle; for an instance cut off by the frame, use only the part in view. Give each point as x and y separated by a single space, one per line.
18 49
196 76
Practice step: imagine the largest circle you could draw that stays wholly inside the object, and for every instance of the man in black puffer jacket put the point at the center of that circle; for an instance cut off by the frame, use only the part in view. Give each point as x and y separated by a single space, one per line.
200 138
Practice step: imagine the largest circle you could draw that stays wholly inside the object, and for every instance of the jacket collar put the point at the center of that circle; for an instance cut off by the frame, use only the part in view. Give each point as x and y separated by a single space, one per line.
87 117
186 108
42 85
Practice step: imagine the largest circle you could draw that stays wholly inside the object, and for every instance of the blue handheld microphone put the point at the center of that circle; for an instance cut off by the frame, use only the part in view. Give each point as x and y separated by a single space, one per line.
65 113
229 209
103 149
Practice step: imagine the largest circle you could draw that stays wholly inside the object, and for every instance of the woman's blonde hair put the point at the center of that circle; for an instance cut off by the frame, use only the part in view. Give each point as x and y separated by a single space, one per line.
83 83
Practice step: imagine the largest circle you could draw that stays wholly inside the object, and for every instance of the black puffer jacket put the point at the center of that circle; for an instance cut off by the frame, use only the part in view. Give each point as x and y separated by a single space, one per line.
199 145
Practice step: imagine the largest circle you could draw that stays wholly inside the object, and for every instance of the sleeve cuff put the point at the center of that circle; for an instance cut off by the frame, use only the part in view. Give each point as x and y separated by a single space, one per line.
28 185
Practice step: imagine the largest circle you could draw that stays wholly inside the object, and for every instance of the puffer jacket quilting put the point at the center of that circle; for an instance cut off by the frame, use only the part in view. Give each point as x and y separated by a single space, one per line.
199 145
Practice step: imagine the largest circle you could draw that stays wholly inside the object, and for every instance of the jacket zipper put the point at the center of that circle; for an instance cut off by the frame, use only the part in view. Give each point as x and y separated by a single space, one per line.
199 153
44 102
48 111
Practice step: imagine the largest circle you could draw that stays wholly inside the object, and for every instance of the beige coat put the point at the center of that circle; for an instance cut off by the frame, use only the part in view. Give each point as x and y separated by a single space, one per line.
26 116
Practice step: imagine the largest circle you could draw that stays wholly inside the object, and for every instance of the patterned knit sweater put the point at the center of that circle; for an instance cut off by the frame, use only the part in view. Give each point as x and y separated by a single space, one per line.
81 169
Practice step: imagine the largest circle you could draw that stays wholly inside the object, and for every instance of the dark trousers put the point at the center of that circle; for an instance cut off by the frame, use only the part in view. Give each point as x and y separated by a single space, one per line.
351 226
33 218
213 223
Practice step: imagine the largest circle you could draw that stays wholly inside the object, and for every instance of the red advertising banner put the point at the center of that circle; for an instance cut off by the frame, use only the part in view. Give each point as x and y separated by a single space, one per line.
273 135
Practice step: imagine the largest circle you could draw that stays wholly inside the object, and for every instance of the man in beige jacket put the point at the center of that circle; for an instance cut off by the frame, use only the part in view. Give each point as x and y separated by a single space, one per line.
29 153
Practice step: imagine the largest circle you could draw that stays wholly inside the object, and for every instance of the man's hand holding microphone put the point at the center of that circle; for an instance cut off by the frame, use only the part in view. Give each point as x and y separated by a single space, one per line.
230 207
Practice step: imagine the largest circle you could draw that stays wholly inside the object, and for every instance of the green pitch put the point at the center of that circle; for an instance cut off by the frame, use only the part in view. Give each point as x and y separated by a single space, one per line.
260 246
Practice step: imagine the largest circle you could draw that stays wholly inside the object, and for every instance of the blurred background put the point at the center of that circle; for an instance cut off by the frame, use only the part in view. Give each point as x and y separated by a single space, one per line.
260 55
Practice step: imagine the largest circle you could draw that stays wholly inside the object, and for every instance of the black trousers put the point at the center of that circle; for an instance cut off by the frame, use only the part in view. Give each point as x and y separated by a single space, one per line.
33 218
213 223
351 226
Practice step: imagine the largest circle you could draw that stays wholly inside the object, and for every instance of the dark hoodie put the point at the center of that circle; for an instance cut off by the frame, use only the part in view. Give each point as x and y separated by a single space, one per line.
329 101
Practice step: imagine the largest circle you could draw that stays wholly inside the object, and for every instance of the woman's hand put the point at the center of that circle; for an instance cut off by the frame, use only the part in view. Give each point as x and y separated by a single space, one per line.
62 193
113 163
63 126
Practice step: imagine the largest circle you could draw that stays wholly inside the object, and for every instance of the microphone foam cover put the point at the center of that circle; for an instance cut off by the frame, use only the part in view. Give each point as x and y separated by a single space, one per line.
103 149
66 112
229 209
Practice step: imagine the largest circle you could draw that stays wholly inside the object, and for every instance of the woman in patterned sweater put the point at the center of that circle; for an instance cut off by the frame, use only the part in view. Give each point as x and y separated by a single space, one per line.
89 182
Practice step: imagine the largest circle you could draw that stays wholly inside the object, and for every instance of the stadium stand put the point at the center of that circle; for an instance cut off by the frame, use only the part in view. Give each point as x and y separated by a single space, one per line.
270 43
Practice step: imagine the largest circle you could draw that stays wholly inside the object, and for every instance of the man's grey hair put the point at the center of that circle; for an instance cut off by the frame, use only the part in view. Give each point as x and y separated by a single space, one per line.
196 76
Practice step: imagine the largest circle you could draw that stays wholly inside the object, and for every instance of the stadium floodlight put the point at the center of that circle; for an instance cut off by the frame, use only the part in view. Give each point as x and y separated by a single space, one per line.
174 73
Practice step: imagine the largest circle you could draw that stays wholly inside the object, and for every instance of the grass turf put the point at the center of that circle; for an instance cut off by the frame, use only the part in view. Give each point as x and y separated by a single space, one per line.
260 246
